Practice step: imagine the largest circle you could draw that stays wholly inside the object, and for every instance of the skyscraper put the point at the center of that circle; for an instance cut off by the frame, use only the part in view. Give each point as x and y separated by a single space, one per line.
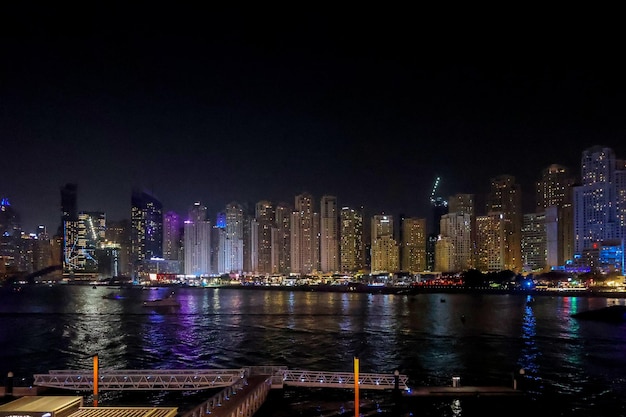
555 198
281 243
534 242
598 201
457 230
329 239
490 242
264 215
197 235
304 236
385 253
171 235
81 259
146 227
439 207
505 197
231 257
351 240
414 245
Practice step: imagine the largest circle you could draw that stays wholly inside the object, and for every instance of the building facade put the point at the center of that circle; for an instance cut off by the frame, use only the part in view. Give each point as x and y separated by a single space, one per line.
329 239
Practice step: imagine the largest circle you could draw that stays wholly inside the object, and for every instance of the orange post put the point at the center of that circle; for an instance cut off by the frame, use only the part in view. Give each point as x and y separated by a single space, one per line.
95 380
356 387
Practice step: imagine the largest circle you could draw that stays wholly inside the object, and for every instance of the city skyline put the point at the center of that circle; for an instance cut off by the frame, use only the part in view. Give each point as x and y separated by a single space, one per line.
220 107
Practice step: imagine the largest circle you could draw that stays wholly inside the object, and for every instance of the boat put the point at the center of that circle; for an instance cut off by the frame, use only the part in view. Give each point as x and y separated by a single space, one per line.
614 314
168 301
112 296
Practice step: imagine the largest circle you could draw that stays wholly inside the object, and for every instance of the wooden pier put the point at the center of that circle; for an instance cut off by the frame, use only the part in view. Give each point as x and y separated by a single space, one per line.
462 392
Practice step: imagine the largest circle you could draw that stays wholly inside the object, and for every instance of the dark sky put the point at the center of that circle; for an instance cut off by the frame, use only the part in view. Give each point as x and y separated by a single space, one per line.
220 105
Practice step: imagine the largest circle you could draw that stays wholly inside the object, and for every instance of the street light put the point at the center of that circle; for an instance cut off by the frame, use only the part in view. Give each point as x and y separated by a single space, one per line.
396 380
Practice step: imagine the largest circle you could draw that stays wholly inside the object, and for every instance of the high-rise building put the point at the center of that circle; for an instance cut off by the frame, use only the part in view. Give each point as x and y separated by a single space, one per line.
466 204
413 245
385 253
264 216
534 242
555 198
281 242
490 242
457 228
231 252
81 259
10 239
197 246
352 248
599 200
439 207
329 239
305 241
505 197
445 255
146 227
171 236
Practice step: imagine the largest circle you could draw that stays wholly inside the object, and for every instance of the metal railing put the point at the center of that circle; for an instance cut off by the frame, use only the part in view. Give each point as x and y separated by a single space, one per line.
139 380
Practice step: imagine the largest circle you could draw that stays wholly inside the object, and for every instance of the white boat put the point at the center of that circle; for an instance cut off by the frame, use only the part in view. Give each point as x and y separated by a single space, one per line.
169 301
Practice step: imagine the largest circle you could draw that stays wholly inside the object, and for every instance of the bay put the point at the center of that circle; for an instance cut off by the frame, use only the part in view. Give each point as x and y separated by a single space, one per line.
575 367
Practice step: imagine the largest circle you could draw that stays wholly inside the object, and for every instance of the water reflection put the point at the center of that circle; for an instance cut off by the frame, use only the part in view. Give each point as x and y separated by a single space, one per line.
530 351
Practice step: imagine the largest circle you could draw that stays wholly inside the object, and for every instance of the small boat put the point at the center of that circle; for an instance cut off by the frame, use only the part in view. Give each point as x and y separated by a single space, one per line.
169 301
112 296
613 314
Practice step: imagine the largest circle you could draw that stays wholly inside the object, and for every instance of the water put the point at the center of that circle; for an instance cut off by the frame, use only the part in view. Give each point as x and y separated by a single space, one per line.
573 367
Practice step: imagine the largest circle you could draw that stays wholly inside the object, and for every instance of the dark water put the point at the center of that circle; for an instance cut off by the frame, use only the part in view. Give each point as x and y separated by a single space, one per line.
575 368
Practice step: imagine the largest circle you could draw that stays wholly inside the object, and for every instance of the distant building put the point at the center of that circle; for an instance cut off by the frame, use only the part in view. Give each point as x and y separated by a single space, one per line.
505 197
351 240
555 198
264 215
172 226
305 243
413 245
600 200
197 247
88 234
329 239
231 250
534 242
385 252
457 229
445 253
281 239
146 227
490 242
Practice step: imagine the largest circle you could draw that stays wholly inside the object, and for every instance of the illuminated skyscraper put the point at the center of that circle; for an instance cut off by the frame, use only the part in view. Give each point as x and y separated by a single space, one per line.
281 241
10 240
385 253
197 246
414 245
171 235
329 239
81 259
146 227
534 242
264 215
231 251
555 199
457 228
445 254
599 200
352 249
490 242
305 244
505 197
439 207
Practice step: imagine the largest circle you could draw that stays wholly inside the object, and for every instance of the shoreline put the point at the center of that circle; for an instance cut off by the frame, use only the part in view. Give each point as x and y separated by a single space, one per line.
411 291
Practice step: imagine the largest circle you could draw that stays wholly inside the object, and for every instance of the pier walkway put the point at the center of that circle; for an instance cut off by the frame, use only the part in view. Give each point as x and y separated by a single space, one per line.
186 380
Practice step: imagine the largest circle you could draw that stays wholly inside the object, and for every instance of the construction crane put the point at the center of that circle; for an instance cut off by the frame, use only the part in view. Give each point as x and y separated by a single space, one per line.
432 194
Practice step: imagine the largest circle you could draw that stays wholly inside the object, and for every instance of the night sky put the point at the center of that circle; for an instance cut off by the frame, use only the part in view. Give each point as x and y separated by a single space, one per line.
224 105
